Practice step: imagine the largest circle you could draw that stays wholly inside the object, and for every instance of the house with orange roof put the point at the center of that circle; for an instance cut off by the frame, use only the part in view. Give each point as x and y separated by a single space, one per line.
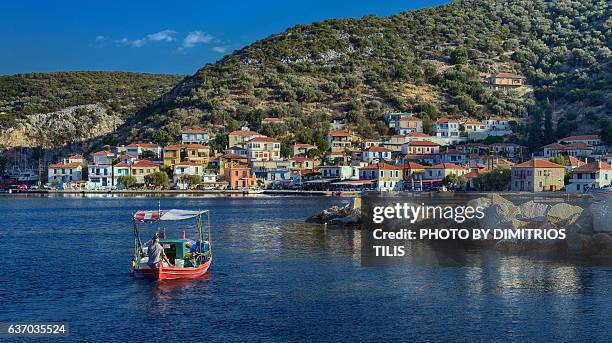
63 173
592 140
420 147
387 177
537 175
596 174
195 136
142 168
172 154
413 171
376 154
240 137
577 149
263 149
339 140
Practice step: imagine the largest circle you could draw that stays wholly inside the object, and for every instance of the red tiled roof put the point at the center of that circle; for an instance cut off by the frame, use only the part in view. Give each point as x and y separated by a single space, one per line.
194 131
446 166
173 147
103 152
380 165
244 133
144 145
122 164
537 163
64 165
340 133
145 163
300 159
74 157
446 120
409 118
413 165
581 137
423 143
187 163
417 134
264 139
304 145
593 167
452 152
472 122
375 148
196 146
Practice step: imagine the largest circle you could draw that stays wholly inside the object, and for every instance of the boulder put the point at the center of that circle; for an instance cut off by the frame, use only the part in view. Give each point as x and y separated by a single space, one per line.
479 202
603 243
579 223
580 244
500 216
498 199
563 211
602 215
533 211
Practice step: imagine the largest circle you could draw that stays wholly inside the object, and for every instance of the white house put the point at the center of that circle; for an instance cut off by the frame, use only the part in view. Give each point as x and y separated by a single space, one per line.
103 157
340 172
99 176
387 177
596 174
448 128
578 149
64 173
420 147
376 154
263 149
194 137
186 168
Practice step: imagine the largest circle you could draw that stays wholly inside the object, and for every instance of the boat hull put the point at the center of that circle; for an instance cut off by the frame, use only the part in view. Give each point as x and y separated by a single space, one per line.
173 273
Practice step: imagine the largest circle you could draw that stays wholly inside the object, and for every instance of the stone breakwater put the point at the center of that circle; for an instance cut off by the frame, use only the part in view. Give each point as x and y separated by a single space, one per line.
588 227
587 223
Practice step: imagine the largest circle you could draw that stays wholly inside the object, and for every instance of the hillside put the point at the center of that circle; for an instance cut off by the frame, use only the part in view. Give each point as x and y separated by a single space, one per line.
54 109
429 61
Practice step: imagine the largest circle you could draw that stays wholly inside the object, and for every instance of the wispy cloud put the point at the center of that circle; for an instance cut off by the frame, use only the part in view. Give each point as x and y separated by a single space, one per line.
161 36
100 38
197 37
220 49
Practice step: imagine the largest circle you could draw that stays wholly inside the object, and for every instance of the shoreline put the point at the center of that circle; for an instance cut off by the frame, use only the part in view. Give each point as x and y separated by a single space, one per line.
168 192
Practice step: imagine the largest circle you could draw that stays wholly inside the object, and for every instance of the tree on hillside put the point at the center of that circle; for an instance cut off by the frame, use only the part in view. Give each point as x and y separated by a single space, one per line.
497 179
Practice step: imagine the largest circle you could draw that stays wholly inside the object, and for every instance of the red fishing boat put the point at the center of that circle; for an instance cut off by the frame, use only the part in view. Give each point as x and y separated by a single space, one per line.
190 258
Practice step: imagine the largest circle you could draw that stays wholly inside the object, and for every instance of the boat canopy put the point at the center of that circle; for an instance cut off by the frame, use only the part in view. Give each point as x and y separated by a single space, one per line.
167 215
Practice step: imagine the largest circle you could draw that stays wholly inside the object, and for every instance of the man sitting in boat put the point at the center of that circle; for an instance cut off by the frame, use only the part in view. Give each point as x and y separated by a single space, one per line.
156 253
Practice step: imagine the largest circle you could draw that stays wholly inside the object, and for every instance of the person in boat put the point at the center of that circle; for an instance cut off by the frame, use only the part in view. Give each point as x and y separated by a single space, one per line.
156 253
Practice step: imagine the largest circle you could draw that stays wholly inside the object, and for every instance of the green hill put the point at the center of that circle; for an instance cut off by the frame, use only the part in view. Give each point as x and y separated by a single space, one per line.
429 61
122 92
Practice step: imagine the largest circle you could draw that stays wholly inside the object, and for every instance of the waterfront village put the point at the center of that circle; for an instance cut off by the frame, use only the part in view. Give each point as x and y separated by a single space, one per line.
408 160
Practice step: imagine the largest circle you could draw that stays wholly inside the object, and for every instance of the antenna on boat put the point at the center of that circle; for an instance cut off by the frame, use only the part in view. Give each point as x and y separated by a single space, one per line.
159 207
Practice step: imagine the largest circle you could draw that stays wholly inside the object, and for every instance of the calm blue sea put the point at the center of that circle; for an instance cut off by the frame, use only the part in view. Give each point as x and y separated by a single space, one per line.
276 279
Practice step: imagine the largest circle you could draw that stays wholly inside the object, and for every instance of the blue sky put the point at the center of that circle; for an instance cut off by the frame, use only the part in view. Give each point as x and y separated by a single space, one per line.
155 36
